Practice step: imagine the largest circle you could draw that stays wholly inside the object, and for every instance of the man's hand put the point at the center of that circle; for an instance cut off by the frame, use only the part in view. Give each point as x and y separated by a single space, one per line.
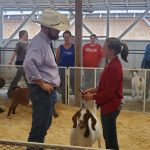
45 86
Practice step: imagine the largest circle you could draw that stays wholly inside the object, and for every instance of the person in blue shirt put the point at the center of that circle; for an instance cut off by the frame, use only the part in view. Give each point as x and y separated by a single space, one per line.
65 56
146 65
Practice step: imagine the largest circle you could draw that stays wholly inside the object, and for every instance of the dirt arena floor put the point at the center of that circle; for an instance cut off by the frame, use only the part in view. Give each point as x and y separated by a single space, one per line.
133 128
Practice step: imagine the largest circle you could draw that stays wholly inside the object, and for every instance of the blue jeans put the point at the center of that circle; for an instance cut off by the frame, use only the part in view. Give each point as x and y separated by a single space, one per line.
62 88
42 111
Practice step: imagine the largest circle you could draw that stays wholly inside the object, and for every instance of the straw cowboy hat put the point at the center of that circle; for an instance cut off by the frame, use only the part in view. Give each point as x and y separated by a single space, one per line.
53 19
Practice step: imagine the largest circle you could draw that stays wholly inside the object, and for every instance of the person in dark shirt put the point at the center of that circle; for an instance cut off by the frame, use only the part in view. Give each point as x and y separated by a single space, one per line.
19 53
146 65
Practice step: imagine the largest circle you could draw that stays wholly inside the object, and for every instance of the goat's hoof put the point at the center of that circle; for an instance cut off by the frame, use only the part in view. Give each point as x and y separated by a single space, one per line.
9 117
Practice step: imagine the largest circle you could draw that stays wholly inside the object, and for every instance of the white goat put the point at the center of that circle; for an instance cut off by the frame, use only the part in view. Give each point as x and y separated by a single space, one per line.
86 129
137 85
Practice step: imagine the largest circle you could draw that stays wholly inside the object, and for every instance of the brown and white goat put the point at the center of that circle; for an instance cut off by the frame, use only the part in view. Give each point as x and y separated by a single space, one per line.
19 96
86 129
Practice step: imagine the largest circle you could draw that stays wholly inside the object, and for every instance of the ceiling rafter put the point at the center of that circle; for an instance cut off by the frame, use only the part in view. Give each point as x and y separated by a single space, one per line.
51 3
127 4
69 4
88 5
33 3
16 4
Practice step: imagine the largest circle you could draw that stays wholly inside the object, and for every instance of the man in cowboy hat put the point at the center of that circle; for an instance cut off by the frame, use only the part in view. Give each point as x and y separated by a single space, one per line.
42 72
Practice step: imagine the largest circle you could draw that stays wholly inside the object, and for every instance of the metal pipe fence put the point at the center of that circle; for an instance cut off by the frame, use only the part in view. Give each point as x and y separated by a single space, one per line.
17 145
90 78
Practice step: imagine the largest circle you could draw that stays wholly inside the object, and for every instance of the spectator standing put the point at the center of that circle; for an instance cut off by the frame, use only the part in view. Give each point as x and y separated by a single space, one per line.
19 53
146 65
92 57
65 57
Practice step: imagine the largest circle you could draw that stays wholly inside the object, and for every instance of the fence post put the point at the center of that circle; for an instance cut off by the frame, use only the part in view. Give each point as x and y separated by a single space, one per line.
145 74
95 79
68 85
78 39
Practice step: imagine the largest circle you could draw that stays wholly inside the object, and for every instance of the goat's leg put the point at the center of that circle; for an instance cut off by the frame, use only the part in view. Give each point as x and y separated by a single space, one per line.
133 92
14 109
10 109
141 96
99 142
137 93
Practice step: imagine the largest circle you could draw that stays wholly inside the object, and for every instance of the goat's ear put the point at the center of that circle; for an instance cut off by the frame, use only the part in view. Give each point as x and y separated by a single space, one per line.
93 121
74 118
87 131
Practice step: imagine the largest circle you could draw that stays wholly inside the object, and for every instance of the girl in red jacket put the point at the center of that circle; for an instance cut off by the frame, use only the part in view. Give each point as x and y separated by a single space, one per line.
109 93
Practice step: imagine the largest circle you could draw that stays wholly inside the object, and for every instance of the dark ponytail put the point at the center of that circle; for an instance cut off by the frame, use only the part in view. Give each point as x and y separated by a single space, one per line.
124 52
118 47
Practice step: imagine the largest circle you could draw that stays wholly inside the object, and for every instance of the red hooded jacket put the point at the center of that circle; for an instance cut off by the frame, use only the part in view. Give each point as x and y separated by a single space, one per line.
110 90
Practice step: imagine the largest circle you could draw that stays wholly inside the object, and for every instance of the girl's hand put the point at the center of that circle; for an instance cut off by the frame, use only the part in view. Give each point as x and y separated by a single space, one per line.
87 97
90 90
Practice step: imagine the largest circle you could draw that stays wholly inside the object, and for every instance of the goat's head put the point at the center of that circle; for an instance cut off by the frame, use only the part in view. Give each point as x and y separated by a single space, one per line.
134 72
81 117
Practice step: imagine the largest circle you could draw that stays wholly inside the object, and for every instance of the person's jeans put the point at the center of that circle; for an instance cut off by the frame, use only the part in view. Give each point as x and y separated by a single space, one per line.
42 111
88 78
62 88
109 129
20 72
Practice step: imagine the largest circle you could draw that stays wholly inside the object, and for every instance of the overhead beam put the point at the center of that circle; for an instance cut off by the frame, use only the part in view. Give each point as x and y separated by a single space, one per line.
18 29
88 4
146 21
16 4
148 3
107 3
33 3
87 28
133 24
83 25
69 4
51 3
127 4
